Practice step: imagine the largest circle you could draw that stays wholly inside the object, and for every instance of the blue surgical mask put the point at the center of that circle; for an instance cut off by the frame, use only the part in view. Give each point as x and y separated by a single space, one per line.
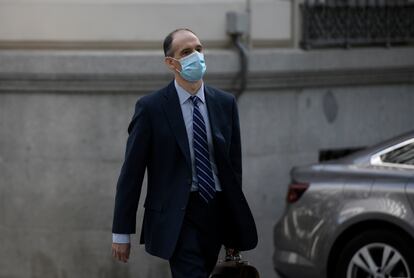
193 66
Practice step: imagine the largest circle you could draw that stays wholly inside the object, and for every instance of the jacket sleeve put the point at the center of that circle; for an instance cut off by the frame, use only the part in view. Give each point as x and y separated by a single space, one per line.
235 146
129 184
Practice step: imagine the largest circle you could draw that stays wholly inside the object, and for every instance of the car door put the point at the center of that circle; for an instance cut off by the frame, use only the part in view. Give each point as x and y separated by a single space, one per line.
400 158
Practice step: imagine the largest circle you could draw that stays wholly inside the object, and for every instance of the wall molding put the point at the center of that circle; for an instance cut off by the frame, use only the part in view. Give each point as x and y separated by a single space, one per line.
140 72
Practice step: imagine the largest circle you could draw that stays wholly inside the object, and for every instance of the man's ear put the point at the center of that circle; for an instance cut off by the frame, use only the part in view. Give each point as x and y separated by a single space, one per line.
172 64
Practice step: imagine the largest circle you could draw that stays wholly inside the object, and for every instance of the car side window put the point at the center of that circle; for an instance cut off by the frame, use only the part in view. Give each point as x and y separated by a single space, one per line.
401 155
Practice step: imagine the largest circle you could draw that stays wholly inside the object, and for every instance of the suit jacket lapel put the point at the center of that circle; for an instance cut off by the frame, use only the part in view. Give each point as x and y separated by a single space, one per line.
214 112
174 115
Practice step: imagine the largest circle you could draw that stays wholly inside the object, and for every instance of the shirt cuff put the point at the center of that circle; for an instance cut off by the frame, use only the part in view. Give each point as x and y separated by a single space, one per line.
121 238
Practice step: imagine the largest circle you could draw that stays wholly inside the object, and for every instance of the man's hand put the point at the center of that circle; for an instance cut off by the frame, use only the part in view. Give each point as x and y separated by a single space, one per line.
232 254
120 251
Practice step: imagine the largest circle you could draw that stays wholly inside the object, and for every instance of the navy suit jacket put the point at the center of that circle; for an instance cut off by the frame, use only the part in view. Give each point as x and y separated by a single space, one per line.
158 143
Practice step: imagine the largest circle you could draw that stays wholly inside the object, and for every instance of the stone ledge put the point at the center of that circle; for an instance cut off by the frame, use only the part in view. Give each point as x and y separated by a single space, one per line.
143 71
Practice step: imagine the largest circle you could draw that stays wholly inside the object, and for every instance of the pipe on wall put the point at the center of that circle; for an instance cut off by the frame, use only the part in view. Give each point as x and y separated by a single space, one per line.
243 56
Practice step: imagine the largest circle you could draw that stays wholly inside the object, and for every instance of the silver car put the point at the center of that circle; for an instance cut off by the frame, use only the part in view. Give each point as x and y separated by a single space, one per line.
352 217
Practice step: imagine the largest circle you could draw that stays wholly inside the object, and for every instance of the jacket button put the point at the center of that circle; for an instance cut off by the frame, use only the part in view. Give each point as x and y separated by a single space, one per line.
183 208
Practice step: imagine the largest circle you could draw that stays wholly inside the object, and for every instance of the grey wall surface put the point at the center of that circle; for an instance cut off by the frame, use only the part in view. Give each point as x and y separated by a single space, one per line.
62 139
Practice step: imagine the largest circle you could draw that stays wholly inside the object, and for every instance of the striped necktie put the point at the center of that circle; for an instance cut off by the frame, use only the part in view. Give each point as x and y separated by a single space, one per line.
206 185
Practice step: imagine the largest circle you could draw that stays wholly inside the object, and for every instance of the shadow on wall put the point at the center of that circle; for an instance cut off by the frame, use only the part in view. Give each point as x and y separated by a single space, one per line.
44 266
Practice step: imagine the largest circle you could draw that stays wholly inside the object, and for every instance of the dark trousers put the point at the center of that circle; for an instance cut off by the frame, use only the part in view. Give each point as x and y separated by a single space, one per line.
200 240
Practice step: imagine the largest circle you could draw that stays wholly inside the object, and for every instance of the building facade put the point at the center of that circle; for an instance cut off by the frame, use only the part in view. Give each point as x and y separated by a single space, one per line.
72 70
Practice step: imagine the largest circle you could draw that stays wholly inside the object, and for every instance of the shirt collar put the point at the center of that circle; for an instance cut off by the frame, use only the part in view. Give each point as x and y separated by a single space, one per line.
183 95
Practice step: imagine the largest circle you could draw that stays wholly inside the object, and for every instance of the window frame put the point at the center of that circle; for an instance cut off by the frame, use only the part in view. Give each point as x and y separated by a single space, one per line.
377 160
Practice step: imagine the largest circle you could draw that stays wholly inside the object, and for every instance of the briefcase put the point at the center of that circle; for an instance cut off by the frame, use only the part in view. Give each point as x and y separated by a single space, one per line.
234 267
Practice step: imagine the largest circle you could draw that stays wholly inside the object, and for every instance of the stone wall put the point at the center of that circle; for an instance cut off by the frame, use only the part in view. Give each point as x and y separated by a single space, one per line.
135 23
63 120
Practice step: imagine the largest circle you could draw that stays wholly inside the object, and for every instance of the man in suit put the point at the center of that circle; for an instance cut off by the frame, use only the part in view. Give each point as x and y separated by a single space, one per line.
187 137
